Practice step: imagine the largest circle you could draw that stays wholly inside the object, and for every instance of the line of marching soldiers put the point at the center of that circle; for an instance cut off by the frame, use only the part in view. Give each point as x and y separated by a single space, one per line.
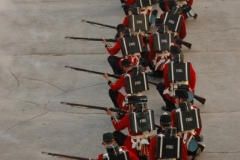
179 132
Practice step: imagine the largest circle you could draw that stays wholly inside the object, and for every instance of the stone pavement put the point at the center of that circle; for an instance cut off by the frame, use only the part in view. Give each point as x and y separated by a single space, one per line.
33 53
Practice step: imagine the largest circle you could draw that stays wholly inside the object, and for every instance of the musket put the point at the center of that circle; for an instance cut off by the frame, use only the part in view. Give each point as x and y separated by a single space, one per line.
99 108
89 71
99 24
94 107
103 25
181 42
198 98
91 39
65 156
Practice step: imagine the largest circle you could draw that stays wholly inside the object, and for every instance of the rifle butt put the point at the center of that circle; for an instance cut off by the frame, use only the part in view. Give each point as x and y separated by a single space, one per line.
188 45
200 99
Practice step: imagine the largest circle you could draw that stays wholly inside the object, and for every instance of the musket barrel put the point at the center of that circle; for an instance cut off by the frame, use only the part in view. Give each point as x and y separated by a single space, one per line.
94 107
64 156
99 24
90 71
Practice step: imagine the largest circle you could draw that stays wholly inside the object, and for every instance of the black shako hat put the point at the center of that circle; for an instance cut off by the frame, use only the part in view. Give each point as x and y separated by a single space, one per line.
108 137
133 99
176 10
126 63
158 22
181 93
120 27
171 4
161 29
175 50
165 119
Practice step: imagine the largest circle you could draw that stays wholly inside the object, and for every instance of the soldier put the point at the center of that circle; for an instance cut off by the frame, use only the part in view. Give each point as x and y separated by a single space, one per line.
165 121
126 4
109 142
175 11
187 11
116 96
119 28
114 61
167 87
158 58
181 98
135 142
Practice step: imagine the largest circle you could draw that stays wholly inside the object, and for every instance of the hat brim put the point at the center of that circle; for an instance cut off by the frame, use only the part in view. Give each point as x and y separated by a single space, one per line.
108 140
129 65
121 29
131 102
165 123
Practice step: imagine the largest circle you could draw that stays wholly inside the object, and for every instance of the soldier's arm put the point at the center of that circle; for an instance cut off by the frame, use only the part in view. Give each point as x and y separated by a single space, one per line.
192 82
118 84
115 49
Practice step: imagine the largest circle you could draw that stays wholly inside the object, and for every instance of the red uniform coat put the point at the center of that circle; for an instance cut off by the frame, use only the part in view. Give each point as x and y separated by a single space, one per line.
125 21
121 125
182 32
132 156
117 86
153 147
129 2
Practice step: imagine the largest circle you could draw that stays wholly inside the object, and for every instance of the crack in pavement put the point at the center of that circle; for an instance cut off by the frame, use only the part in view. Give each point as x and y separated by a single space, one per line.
48 108
217 31
44 82
24 122
44 107
71 91
219 72
16 80
221 112
27 102
61 54
41 2
224 152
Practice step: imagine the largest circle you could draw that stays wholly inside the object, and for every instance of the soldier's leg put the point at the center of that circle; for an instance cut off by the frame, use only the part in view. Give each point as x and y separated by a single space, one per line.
187 9
144 57
142 157
125 8
162 5
113 62
169 105
113 95
119 137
